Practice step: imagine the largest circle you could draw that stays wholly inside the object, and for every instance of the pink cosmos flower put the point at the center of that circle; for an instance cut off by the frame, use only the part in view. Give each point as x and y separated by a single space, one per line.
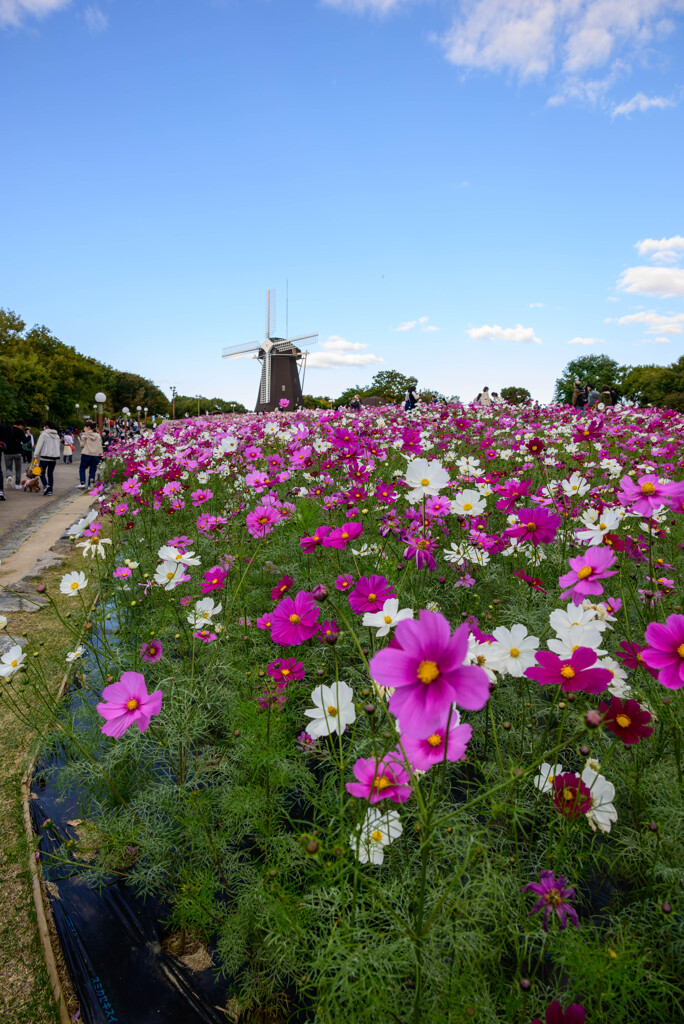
425 664
309 544
420 548
182 543
329 631
294 621
586 571
281 587
261 521
186 600
665 651
122 573
214 579
433 747
344 582
386 779
536 525
127 701
554 897
340 537
199 497
286 669
370 594
151 651
121 510
205 636
646 495
631 656
307 742
573 674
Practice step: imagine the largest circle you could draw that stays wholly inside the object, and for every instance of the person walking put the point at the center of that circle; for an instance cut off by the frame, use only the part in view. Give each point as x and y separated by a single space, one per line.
28 444
68 451
47 453
355 403
13 437
411 400
592 397
581 397
576 392
91 453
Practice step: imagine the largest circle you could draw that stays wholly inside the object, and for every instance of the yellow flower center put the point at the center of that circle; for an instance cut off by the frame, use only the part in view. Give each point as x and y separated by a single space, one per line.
332 710
514 652
345 535
263 519
531 527
568 794
584 572
74 585
434 740
602 526
285 671
467 507
428 671
567 672
169 576
376 835
648 488
132 704
553 896
294 618
624 721
425 482
382 782
388 619
372 597
13 664
680 651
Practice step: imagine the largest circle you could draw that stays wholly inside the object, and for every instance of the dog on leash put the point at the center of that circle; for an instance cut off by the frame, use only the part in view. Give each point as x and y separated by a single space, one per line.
31 483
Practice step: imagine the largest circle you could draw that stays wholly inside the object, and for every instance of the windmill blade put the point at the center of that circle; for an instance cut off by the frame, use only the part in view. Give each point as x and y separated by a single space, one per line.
237 351
265 388
270 312
304 337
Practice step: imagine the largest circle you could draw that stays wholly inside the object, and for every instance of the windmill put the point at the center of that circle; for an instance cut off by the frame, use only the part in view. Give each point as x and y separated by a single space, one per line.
279 358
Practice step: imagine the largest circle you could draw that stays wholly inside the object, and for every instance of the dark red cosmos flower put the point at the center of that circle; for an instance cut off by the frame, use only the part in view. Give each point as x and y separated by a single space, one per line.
570 795
629 654
533 581
536 446
575 1014
626 719
281 587
572 674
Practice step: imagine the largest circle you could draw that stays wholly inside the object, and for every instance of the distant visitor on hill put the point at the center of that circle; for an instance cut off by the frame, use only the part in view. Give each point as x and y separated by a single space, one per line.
411 398
91 453
47 453
485 398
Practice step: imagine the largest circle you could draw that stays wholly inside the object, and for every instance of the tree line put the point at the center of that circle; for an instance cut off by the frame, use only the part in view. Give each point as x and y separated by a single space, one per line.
660 386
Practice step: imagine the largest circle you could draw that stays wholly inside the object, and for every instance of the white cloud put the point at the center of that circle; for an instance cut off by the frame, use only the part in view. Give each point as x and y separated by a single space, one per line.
586 341
337 351
665 250
665 282
406 326
657 341
536 305
13 12
430 327
95 19
612 298
641 102
658 323
518 333
423 322
362 6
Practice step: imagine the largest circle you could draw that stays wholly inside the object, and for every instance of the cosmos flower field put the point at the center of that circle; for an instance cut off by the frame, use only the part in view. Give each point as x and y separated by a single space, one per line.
388 708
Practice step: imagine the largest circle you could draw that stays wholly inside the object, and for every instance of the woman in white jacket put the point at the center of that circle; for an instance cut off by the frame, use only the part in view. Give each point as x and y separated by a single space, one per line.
47 453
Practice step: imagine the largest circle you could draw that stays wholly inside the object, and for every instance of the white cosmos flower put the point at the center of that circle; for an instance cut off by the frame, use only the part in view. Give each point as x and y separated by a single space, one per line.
169 554
72 582
547 773
378 830
94 546
204 611
481 655
478 556
388 617
77 529
618 686
425 479
576 486
365 550
602 813
468 503
11 662
456 554
568 640
169 574
75 655
333 709
467 465
597 526
513 650
3 621
575 615
604 613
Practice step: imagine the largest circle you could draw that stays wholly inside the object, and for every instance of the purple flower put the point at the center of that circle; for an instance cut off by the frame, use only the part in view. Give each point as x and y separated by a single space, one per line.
536 525
646 495
370 594
665 651
575 673
433 747
294 620
385 779
151 651
586 571
553 897
127 701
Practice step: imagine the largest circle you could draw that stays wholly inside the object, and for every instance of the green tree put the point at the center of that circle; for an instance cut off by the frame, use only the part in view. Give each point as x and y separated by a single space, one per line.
596 370
313 402
189 404
516 396
661 386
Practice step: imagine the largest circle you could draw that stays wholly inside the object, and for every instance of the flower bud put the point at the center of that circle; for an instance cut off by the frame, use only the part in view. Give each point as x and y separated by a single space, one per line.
320 593
592 719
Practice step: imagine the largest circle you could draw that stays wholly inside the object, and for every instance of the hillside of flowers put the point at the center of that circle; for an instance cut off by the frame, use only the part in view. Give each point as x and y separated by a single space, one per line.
387 708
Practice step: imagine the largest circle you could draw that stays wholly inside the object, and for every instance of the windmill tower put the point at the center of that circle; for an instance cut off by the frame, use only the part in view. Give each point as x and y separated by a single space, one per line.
279 359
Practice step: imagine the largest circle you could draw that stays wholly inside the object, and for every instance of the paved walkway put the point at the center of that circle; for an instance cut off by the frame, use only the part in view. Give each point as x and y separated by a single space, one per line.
20 504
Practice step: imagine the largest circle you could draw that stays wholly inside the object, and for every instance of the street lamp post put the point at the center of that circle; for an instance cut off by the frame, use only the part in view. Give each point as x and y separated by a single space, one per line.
77 413
100 398
173 403
145 411
126 411
139 410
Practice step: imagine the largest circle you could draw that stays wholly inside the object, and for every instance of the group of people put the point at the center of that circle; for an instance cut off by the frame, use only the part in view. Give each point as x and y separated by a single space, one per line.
586 396
41 459
485 398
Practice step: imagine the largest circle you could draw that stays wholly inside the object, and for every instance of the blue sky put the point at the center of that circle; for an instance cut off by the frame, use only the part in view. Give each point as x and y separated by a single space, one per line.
502 179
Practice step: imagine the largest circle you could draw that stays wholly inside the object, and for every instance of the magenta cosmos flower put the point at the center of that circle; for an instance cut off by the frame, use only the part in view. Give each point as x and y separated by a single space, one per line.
554 897
310 544
570 795
126 702
261 521
281 587
286 669
294 620
199 497
536 525
426 666
626 719
385 779
370 594
573 674
436 746
585 572
646 495
665 651
575 1014
214 579
631 656
151 651
340 537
